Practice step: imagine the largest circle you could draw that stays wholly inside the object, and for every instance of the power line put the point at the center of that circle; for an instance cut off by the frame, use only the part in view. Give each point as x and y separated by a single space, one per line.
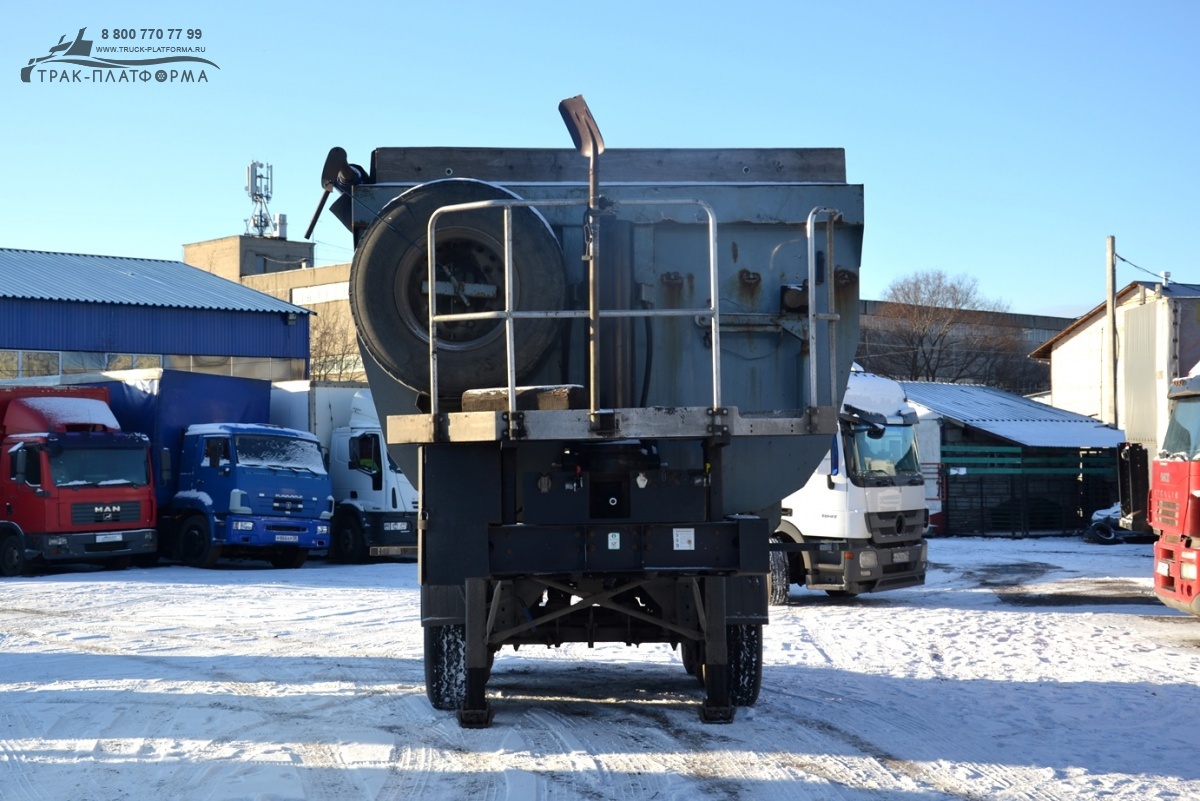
1160 276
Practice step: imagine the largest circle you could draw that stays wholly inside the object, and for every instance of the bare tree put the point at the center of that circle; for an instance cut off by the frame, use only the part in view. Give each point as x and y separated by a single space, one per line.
933 327
333 346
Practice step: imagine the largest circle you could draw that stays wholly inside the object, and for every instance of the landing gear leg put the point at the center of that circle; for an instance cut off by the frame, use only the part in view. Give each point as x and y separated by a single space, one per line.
476 713
717 707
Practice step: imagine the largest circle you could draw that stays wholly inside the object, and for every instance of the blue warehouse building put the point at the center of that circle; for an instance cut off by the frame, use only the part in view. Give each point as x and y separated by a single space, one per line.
63 313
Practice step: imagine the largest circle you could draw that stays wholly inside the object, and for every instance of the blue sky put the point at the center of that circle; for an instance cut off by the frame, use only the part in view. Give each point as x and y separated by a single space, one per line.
1002 140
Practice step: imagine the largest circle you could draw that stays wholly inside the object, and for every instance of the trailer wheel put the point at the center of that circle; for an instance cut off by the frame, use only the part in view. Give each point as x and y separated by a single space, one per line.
196 543
389 292
779 580
12 556
349 546
446 666
289 558
744 643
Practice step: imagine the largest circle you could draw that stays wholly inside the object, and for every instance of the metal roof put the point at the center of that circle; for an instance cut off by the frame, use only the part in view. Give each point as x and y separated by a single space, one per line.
1012 417
1179 291
42 275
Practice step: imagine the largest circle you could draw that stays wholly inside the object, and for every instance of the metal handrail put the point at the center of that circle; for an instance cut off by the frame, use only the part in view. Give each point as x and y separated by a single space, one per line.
509 316
832 216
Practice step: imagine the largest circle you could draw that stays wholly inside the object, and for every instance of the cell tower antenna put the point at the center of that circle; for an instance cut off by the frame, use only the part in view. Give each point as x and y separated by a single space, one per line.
258 187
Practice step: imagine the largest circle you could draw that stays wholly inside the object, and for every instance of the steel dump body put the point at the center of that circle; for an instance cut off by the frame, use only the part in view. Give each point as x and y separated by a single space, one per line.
618 485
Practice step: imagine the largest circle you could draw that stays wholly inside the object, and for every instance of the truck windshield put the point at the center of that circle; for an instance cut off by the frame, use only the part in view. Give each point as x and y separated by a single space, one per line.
1182 439
82 467
264 450
887 453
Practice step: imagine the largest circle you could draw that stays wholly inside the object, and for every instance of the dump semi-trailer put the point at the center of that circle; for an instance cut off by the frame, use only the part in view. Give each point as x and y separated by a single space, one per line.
75 488
864 507
606 390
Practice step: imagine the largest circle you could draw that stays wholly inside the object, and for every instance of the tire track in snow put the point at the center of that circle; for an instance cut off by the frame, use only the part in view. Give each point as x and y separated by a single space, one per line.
957 779
14 726
569 762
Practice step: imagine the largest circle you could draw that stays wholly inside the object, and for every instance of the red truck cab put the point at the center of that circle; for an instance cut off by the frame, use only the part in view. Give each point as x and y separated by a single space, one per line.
1174 508
73 486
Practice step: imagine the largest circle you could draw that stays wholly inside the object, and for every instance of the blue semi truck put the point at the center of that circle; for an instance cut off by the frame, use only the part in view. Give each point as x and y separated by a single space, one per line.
229 484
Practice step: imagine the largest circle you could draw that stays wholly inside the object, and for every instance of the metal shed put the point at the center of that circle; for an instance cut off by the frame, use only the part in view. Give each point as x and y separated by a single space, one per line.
1013 465
67 303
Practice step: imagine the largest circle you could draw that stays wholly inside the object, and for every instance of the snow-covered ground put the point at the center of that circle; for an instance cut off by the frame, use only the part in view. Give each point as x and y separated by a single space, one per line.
1024 669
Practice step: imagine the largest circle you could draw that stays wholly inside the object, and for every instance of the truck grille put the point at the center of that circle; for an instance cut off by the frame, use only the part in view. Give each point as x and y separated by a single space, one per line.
896 526
288 504
84 514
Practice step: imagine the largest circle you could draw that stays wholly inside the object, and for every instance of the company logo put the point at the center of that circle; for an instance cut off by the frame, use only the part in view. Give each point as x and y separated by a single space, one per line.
107 513
166 46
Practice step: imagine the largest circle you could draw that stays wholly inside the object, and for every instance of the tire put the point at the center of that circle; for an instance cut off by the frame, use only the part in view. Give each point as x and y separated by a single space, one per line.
349 545
744 644
391 311
446 666
779 581
12 556
196 545
289 558
1103 534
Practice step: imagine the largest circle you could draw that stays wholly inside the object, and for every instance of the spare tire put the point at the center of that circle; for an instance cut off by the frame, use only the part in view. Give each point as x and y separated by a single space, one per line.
390 301
1103 533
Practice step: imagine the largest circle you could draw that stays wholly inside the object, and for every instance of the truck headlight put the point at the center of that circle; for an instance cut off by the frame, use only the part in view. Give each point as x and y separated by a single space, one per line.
322 528
868 560
1187 571
243 525
1163 568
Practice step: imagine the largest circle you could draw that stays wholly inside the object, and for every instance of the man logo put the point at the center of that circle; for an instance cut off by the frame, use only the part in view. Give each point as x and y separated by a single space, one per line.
107 513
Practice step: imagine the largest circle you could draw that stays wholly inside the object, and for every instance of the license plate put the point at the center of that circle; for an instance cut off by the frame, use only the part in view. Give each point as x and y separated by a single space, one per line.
287 538
108 538
900 557
393 550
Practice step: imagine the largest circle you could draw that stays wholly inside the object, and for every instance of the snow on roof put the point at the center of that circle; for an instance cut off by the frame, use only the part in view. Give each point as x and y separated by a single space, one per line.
248 428
1012 417
60 411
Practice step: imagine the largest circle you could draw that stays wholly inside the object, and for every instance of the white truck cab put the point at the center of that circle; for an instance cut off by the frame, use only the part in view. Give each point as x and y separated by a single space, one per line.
861 517
376 505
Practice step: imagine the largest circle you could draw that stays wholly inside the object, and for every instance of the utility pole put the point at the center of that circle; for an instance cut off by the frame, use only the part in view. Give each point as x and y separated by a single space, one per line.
1110 410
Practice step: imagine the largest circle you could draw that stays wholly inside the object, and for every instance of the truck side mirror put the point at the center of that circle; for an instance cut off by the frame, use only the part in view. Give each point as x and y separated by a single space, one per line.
164 466
20 463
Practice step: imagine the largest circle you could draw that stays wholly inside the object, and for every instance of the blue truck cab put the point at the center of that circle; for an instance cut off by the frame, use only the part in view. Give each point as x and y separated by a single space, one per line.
251 491
229 484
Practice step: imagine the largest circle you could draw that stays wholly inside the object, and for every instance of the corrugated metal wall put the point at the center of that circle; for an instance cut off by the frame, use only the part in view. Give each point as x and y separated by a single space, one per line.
1138 363
52 325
